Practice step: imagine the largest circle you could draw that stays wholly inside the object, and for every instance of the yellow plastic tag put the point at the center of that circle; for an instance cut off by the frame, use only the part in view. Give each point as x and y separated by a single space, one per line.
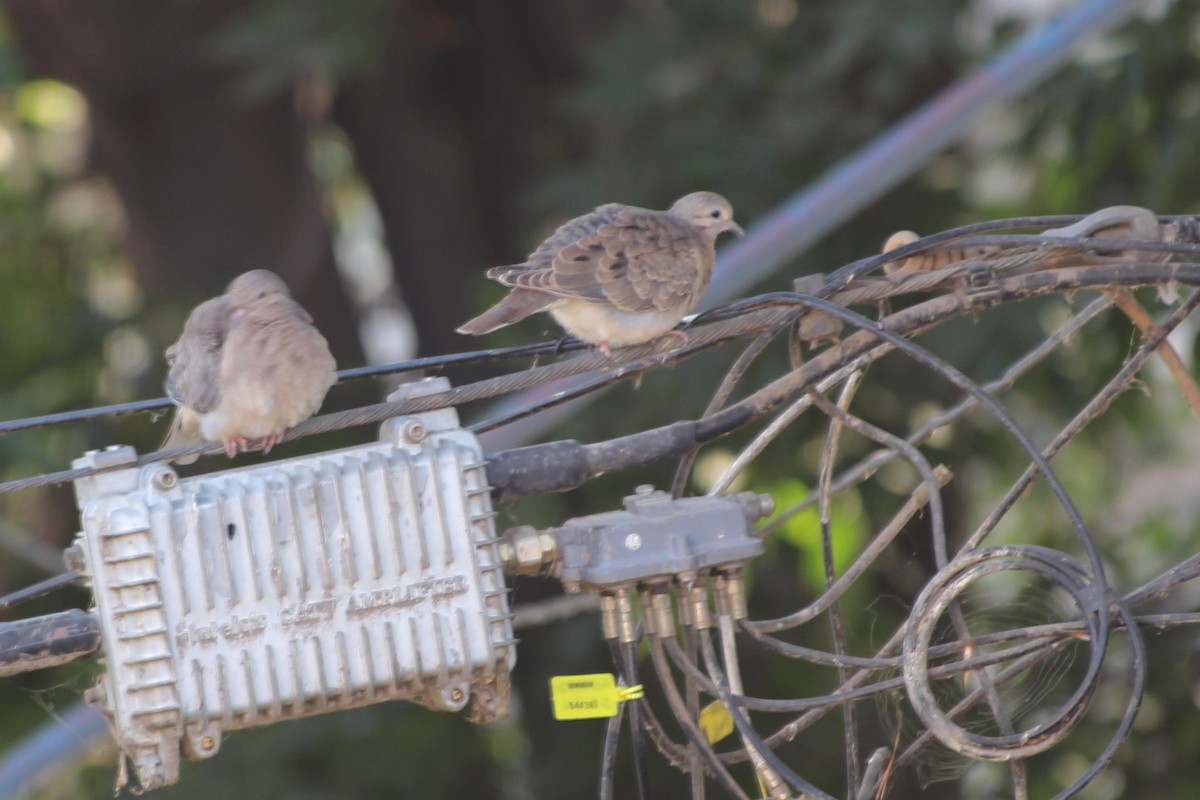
589 696
715 721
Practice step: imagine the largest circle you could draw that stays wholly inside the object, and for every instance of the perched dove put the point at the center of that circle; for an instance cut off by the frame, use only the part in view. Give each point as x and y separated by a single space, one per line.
618 275
929 260
248 365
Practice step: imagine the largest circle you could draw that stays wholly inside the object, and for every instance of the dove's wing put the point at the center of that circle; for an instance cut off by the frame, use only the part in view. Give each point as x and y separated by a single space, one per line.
567 234
195 360
192 380
537 274
631 258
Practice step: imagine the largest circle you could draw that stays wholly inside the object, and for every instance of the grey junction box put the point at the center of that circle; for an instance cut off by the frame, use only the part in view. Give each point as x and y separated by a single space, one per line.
259 594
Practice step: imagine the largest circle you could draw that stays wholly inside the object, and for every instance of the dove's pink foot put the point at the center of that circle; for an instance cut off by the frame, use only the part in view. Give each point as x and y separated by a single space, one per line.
270 441
236 444
604 348
678 334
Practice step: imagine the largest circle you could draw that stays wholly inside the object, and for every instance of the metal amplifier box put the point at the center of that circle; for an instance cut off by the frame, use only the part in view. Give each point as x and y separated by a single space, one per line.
259 594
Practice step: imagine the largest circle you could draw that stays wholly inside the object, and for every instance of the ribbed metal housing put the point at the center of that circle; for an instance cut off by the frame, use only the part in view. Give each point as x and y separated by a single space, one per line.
259 594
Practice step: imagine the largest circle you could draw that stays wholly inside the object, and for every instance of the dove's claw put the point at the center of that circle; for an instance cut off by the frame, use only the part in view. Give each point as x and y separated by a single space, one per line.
678 334
270 441
236 444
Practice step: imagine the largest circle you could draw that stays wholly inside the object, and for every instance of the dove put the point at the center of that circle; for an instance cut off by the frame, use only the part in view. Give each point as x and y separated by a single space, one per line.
930 260
618 275
248 365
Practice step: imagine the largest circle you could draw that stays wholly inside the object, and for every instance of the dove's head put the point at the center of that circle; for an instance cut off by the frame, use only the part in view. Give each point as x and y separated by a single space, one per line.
708 211
255 285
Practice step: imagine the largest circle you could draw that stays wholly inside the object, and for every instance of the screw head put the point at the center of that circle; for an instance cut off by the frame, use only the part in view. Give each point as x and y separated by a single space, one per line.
414 431
633 541
208 743
165 479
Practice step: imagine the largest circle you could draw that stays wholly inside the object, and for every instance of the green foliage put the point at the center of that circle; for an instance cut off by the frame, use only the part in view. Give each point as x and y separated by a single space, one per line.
803 531
755 99
1117 125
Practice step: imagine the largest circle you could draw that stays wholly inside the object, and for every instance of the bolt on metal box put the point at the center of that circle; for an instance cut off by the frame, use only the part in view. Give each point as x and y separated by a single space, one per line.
259 594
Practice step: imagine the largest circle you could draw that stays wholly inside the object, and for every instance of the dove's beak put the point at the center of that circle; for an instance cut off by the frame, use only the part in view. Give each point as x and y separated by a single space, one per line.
736 229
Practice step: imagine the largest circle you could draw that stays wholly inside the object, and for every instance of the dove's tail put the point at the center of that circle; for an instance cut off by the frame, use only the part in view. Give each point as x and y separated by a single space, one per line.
516 306
185 430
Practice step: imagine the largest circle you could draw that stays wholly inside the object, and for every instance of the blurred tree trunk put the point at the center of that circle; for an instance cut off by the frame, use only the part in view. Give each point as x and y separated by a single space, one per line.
211 186
442 131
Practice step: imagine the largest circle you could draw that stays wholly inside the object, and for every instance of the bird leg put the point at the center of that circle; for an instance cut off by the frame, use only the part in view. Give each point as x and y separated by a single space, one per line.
604 348
236 444
270 441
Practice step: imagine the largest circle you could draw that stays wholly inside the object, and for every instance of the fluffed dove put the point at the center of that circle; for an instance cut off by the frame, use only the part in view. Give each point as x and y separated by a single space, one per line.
618 275
248 365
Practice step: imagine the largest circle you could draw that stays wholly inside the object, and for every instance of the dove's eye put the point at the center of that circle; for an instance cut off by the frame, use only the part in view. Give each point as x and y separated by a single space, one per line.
716 213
